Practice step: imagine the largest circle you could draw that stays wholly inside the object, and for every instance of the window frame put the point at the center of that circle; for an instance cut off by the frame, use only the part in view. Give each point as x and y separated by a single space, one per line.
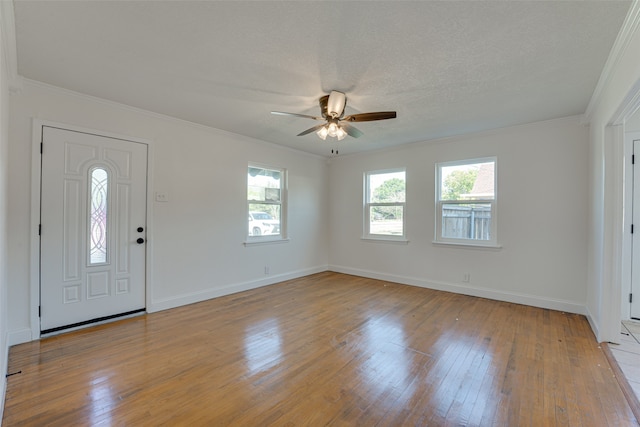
493 202
283 203
367 205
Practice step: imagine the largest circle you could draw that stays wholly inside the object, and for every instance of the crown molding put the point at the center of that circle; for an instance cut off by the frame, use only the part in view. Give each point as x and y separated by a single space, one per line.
627 31
9 49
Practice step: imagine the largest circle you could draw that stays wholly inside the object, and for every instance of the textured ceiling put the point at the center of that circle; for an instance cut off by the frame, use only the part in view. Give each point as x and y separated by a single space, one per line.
447 67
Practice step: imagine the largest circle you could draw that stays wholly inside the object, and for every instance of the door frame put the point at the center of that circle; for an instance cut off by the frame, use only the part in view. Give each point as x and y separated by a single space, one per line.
616 263
626 265
34 249
627 238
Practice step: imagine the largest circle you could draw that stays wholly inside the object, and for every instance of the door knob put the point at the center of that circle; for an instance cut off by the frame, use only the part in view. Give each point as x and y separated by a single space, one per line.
140 229
140 240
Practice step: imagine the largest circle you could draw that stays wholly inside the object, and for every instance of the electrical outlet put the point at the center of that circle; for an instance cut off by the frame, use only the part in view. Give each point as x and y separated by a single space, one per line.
162 196
266 270
466 278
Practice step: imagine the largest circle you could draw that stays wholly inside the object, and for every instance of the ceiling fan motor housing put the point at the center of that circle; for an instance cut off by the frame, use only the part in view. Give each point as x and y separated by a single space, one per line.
333 105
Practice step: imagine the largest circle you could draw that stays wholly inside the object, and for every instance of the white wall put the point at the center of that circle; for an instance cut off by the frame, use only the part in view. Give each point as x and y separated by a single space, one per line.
542 217
633 124
618 85
5 39
195 238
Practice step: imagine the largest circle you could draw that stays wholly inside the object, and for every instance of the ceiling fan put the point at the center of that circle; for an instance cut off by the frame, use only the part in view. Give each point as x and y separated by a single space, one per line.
336 124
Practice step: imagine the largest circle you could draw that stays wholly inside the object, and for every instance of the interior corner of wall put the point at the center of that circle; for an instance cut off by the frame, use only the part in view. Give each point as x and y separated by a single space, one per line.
594 324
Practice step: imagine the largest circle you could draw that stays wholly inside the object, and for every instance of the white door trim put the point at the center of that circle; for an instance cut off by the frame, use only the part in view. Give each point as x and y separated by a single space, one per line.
627 215
613 239
616 263
34 249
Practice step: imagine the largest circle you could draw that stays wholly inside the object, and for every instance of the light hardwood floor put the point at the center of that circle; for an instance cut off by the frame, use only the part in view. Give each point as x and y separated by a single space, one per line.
327 349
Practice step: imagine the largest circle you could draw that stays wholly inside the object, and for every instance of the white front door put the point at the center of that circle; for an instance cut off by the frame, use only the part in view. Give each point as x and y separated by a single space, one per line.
93 228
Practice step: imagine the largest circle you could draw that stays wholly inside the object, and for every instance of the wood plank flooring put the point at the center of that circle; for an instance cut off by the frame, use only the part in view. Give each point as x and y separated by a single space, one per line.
327 349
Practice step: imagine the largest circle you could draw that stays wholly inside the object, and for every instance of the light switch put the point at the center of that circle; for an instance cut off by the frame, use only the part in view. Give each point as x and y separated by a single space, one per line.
161 196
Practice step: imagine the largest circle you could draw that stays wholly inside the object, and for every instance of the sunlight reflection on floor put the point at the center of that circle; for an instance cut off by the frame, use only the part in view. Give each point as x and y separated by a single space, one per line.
263 345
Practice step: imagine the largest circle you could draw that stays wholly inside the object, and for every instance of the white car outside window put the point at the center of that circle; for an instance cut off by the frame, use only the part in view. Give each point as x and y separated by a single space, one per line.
262 224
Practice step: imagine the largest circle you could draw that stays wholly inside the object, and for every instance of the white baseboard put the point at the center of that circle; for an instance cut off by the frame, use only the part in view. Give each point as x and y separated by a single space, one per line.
165 304
517 298
19 337
3 385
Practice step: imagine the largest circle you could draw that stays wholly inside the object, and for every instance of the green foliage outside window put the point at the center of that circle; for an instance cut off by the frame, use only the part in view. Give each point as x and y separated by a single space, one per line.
390 191
457 183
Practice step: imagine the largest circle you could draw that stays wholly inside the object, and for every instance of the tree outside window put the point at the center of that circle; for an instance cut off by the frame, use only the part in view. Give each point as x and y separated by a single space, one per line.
385 204
466 202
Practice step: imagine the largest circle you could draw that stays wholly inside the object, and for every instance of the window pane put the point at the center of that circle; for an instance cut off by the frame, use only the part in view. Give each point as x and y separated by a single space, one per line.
98 217
266 199
468 221
264 219
263 185
467 182
386 220
387 187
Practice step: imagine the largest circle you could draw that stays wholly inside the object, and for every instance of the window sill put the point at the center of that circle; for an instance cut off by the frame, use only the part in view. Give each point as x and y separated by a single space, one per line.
469 245
264 242
385 240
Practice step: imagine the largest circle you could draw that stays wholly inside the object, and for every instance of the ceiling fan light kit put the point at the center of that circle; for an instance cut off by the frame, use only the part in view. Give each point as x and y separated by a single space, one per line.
333 130
337 126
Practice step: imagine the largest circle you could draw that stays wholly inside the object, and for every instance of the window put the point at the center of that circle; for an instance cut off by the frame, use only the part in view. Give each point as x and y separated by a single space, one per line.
384 205
98 216
466 202
266 195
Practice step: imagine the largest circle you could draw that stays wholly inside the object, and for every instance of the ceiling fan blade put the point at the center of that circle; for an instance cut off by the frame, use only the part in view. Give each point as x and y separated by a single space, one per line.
369 117
351 131
313 129
280 113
